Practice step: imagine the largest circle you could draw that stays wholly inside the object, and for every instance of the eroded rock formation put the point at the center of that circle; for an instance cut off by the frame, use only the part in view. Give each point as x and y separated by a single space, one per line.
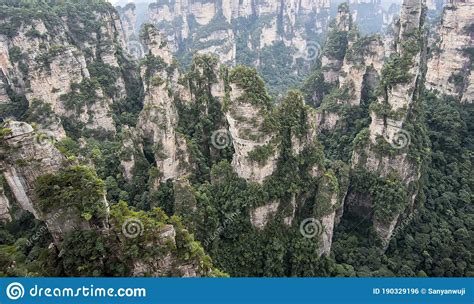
29 154
386 146
41 61
450 67
216 27
159 119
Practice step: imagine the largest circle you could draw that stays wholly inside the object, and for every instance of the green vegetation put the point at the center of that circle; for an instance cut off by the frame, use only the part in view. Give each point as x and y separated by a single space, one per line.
153 65
4 132
39 112
433 239
314 87
277 68
253 86
46 57
106 75
388 195
261 154
16 108
72 188
336 45
359 48
396 70
17 257
15 54
204 219
89 253
81 95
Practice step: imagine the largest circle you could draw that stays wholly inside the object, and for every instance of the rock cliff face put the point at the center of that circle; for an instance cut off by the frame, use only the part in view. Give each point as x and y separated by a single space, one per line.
364 60
159 119
333 53
220 27
167 265
55 61
386 146
350 64
263 136
128 16
247 128
27 155
450 65
4 207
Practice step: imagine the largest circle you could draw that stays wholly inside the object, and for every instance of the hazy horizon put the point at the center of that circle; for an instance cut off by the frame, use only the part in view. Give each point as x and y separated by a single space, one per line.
122 2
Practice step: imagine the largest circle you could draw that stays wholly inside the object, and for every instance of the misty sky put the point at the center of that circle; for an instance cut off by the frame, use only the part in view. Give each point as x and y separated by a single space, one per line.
126 1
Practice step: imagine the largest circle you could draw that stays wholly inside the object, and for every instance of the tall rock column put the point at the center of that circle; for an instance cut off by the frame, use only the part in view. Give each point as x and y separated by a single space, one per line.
249 118
385 171
450 67
159 118
336 45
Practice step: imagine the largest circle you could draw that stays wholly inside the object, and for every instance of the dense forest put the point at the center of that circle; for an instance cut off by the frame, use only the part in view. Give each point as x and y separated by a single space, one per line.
208 156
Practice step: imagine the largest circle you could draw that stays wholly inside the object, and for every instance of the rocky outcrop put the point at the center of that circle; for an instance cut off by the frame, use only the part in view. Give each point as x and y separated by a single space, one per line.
4 207
333 53
295 137
167 265
389 118
131 143
450 65
56 61
327 202
216 27
259 217
351 63
129 21
27 155
249 128
158 120
364 58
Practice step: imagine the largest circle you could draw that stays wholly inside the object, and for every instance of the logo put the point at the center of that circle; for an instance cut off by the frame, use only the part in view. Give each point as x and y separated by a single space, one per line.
221 139
312 51
132 228
311 227
15 291
400 140
43 139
